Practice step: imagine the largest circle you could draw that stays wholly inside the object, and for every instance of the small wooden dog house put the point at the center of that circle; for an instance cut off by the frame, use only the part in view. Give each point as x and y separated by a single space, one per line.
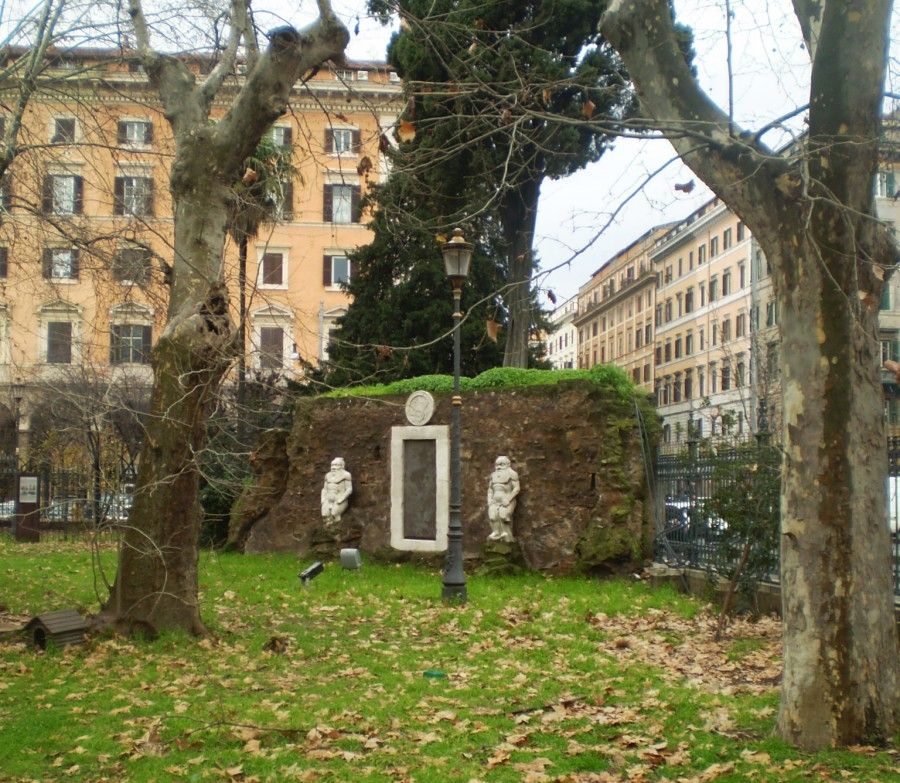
62 627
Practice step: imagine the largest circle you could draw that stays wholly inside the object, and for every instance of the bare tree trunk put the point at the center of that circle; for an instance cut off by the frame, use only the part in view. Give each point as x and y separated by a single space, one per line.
242 340
812 213
519 214
156 584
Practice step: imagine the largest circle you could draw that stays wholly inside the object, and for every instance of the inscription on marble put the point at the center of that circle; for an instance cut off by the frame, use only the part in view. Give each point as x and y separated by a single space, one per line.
419 490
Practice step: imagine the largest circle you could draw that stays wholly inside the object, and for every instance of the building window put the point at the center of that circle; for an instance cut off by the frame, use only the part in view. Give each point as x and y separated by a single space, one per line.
712 377
771 313
772 361
702 294
702 334
885 303
740 328
668 310
713 247
341 204
63 130
272 272
659 315
133 196
59 342
594 329
282 135
134 132
658 356
677 347
726 377
668 351
885 185
271 348
689 300
688 385
742 276
63 194
701 255
648 334
726 282
739 374
132 265
60 263
726 330
713 289
647 373
688 343
341 141
129 344
337 270
754 319
284 201
701 382
638 334
715 334
676 388
636 375
740 231
890 351
726 239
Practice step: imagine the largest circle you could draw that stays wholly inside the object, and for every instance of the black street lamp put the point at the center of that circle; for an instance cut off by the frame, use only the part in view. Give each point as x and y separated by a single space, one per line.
457 255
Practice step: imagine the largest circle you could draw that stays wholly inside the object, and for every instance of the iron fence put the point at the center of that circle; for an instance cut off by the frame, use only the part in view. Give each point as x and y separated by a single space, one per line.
70 502
689 535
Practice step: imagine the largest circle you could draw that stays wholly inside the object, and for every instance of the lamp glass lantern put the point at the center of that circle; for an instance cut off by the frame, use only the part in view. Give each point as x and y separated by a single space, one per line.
457 256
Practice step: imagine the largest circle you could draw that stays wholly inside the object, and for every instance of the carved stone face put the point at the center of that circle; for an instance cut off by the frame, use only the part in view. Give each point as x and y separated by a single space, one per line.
337 463
502 462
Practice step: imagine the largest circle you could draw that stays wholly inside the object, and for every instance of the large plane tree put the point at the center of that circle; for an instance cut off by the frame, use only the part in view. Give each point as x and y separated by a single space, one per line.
156 584
811 208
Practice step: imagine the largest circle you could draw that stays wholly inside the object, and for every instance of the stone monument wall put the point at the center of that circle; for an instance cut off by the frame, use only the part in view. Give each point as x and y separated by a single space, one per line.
575 446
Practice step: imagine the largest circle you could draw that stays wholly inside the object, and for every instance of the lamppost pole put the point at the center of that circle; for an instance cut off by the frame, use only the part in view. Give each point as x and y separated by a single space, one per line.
457 255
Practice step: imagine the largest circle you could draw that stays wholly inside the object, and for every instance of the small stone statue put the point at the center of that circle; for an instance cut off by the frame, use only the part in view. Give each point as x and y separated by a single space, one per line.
503 488
336 492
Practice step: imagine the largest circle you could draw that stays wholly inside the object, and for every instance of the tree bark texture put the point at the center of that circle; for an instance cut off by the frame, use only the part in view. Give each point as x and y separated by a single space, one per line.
812 212
156 584
518 216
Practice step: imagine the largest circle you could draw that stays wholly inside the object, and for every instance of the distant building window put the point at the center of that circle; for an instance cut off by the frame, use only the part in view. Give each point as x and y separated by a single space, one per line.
713 289
713 247
272 273
341 141
740 231
726 282
271 348
60 263
337 270
133 196
771 313
726 330
740 325
726 239
341 204
129 344
135 132
885 184
131 265
688 343
282 135
63 194
59 342
63 130
701 254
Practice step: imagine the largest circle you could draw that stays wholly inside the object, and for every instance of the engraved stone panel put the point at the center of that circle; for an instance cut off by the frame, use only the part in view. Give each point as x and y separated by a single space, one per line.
419 483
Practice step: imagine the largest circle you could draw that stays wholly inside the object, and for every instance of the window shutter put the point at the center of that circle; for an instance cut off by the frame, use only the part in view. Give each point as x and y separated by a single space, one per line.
119 196
47 195
287 138
272 272
329 140
146 340
75 263
287 205
4 265
327 209
148 133
122 133
59 342
326 271
357 140
47 266
6 192
115 342
149 203
355 195
271 348
78 204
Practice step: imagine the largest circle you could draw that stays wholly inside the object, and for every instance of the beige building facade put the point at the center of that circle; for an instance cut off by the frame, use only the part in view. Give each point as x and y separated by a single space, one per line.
86 233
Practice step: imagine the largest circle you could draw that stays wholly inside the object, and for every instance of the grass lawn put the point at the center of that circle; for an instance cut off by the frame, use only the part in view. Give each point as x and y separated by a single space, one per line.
366 676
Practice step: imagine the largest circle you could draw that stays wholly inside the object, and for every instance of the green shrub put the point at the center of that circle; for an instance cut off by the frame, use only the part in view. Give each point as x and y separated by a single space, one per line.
605 375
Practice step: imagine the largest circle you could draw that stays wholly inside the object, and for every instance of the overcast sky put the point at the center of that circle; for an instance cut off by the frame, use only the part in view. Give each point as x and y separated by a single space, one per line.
771 77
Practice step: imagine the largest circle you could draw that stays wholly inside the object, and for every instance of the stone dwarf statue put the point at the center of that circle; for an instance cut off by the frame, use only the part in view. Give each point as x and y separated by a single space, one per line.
336 492
503 488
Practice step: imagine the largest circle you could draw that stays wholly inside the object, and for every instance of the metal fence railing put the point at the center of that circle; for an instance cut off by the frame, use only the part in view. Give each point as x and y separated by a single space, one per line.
689 535
70 502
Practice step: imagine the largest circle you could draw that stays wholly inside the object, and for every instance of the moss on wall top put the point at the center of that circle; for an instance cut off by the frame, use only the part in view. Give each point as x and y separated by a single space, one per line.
606 375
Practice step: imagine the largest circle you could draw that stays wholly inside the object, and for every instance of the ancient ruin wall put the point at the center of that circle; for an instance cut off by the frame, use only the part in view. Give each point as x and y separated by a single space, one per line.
576 447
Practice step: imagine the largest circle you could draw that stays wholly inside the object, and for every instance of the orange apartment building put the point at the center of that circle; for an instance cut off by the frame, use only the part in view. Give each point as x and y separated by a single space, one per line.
615 312
85 239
